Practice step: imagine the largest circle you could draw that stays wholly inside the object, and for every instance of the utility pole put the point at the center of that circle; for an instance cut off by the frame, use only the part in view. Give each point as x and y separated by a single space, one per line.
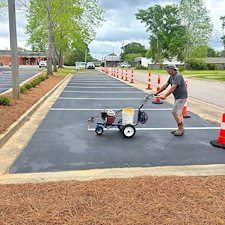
85 58
14 50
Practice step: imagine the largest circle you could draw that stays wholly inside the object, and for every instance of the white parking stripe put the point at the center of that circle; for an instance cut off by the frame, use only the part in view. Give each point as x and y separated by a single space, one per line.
66 98
165 128
69 85
101 87
66 109
112 92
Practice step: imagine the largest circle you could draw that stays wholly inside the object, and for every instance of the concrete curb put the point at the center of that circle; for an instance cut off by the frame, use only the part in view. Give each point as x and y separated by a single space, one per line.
26 116
85 175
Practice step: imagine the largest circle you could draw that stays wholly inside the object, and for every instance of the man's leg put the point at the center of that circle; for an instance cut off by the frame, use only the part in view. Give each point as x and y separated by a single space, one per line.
180 121
177 113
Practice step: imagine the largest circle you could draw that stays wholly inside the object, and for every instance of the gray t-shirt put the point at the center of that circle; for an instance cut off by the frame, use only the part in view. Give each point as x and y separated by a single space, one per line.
181 90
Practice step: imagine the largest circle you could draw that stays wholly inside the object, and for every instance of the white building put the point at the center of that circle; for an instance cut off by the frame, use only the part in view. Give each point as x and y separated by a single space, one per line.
150 65
143 61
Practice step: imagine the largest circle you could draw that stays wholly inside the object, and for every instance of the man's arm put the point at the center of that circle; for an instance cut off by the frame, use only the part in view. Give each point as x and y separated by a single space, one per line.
162 88
171 90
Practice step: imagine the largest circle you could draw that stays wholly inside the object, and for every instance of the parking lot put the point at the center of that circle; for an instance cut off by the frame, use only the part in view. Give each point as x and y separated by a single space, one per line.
24 74
63 141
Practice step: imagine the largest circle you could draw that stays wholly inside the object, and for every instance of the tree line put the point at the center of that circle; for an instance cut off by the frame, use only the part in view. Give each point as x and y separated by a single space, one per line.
181 32
64 29
59 27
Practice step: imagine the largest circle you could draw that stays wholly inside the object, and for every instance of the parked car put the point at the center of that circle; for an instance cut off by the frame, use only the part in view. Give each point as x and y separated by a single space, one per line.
125 65
90 65
42 64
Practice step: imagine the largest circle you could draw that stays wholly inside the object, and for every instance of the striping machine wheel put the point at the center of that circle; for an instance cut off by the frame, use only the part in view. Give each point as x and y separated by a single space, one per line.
128 131
99 130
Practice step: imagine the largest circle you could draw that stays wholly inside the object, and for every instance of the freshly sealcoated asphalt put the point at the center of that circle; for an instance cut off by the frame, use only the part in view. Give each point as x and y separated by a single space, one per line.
63 141
25 73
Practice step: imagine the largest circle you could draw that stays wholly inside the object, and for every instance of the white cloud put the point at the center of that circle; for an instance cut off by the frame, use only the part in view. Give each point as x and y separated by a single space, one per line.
120 26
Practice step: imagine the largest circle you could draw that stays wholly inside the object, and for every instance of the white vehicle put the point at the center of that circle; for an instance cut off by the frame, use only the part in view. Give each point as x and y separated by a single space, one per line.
90 65
124 65
42 64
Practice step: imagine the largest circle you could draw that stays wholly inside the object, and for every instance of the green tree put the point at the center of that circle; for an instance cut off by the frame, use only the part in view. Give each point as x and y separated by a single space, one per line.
198 26
167 35
55 25
204 51
3 5
223 37
135 48
131 57
112 54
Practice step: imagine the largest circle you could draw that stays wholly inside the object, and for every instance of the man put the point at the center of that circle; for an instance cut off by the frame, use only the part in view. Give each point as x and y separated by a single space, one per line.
179 90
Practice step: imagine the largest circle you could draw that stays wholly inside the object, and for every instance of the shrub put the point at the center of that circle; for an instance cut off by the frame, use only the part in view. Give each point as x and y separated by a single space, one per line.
140 67
28 86
35 82
211 66
4 100
181 68
196 64
23 90
42 78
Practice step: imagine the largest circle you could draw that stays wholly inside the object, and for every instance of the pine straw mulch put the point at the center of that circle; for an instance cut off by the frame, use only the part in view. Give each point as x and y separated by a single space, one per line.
136 201
10 114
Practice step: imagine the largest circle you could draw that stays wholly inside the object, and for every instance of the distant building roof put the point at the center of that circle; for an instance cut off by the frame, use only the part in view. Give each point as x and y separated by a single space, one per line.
214 60
112 58
23 54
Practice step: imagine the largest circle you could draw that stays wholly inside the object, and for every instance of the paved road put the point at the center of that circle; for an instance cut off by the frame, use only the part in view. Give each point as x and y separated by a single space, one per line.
63 142
25 72
205 90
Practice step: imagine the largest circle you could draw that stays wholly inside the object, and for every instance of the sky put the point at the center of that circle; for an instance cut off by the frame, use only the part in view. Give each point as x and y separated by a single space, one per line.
120 26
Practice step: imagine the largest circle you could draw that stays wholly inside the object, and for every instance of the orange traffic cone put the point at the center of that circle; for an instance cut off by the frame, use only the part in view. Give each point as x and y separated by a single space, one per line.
184 110
157 99
149 82
220 143
132 77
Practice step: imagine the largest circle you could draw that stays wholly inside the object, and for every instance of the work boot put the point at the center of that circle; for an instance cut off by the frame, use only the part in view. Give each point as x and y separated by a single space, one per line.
173 131
180 130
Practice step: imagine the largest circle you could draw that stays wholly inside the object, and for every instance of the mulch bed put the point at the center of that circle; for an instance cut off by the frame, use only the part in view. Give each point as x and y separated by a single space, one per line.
139 201
10 114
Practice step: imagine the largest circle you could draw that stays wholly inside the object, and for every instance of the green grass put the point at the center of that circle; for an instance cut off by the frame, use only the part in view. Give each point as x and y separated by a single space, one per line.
204 74
64 71
212 77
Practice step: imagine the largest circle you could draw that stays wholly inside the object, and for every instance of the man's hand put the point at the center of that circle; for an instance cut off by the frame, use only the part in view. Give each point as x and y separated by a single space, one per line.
163 97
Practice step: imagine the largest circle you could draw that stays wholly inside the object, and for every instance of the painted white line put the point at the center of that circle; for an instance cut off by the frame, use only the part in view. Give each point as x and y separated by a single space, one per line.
65 109
66 98
69 85
112 92
100 87
165 128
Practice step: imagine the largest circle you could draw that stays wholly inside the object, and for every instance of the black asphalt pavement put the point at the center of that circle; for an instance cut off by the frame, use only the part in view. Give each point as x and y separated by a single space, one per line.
25 73
64 142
